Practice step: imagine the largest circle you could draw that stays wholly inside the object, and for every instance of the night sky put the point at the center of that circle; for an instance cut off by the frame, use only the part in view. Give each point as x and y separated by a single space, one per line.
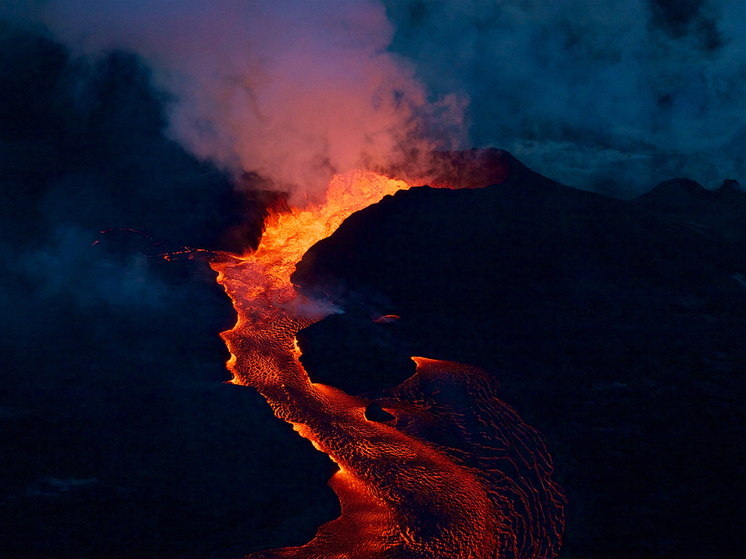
178 121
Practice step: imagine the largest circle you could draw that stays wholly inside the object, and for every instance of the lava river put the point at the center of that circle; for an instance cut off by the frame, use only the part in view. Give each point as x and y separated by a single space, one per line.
455 474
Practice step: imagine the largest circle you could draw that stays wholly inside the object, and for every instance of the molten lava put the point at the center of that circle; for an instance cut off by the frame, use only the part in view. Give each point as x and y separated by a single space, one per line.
455 474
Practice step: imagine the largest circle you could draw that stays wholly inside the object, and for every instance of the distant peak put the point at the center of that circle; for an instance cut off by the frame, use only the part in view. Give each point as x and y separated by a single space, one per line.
688 197
729 186
686 185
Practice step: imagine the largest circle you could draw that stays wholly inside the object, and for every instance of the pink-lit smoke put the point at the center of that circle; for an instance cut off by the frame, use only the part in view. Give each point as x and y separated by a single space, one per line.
294 91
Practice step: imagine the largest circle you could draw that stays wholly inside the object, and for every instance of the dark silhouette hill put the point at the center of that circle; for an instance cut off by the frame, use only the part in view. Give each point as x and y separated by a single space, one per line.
615 327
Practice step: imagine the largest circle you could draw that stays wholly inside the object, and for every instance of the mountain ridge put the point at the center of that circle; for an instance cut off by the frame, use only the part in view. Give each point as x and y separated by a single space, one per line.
613 327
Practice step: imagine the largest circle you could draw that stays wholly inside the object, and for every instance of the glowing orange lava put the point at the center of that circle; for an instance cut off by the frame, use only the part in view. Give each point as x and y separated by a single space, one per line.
447 478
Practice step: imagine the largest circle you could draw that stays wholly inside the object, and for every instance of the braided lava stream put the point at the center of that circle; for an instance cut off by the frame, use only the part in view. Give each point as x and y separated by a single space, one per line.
455 474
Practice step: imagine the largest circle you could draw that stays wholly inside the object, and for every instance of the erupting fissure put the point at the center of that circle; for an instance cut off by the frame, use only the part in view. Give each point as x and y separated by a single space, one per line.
455 474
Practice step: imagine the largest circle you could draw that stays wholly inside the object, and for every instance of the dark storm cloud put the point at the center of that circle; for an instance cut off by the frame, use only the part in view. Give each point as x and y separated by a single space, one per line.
612 96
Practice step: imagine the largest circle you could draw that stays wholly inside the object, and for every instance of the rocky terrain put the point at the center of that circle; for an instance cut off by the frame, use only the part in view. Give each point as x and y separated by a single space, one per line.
614 327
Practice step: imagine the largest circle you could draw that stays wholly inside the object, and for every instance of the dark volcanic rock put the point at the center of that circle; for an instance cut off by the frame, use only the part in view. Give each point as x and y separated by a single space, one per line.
688 197
616 328
374 412
728 188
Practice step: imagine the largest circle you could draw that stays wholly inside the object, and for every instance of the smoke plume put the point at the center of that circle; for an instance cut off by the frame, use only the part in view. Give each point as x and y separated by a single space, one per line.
612 96
293 93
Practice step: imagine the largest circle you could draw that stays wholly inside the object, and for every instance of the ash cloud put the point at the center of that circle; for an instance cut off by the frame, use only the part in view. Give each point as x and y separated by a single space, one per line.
293 93
612 96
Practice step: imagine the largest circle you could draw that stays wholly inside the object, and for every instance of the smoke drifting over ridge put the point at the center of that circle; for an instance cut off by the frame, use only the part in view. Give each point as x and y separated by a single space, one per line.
614 97
293 93
611 96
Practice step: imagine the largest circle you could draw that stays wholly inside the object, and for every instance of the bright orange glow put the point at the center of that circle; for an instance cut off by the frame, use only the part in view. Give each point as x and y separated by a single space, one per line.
386 318
287 236
447 479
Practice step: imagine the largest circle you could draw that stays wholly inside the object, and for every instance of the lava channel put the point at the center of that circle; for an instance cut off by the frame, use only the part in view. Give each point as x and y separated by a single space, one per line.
454 474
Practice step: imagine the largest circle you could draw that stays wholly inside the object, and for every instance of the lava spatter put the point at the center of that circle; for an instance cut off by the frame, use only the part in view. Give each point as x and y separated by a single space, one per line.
455 474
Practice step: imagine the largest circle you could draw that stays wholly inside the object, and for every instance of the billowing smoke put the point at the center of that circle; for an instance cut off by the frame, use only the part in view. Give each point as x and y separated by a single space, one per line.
292 92
612 96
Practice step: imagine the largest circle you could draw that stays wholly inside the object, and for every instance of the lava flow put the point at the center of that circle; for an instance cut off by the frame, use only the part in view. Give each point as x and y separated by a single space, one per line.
455 474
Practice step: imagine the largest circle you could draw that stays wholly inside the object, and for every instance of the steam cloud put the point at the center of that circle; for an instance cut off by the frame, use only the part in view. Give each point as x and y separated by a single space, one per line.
294 92
612 96
605 96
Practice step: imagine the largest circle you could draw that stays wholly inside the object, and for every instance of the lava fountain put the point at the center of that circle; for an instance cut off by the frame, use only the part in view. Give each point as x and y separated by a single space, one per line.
455 474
